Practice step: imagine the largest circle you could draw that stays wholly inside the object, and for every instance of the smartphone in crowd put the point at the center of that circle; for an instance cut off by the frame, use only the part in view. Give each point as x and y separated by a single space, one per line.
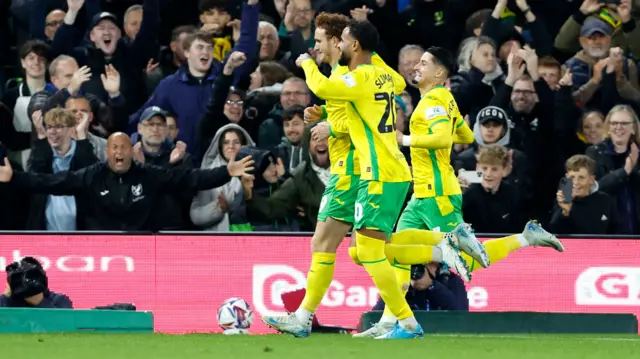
472 176
566 186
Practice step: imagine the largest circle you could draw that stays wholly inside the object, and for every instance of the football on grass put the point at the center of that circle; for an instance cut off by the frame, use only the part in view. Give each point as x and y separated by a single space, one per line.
235 313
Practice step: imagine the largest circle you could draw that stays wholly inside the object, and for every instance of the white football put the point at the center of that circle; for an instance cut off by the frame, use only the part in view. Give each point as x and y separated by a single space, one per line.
235 313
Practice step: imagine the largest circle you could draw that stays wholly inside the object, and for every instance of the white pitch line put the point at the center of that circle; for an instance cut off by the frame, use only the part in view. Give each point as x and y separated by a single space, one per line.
533 336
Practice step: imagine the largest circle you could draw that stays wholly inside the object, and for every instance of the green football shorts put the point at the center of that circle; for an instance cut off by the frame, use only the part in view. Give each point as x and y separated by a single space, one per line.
378 204
339 198
438 214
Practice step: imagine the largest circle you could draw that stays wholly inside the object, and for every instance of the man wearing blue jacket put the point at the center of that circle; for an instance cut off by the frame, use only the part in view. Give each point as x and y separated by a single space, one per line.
187 92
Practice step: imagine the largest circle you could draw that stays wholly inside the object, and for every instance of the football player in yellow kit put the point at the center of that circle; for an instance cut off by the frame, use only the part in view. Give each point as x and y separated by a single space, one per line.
436 124
367 92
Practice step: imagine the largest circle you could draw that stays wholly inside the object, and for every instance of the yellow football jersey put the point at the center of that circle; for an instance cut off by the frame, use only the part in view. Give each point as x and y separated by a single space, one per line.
435 124
369 91
342 154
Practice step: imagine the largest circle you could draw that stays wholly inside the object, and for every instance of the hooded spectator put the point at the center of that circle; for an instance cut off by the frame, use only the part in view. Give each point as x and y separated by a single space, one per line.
221 208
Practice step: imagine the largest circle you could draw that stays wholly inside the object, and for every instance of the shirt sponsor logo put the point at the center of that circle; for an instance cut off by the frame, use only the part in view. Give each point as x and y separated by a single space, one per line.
434 112
349 80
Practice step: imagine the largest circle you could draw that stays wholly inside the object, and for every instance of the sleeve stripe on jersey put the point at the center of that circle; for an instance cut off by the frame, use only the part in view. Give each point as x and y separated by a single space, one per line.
460 124
435 123
372 146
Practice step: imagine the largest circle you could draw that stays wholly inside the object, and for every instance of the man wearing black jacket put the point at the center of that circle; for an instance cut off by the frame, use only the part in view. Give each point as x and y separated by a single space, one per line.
434 288
123 195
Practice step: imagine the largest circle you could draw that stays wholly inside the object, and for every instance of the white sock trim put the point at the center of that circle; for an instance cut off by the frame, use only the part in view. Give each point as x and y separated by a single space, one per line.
304 316
522 240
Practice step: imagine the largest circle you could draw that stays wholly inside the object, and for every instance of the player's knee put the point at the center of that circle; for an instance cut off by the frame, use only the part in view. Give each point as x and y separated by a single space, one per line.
353 253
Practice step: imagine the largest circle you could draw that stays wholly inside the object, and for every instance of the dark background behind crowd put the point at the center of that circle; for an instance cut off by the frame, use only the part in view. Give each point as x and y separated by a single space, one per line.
563 130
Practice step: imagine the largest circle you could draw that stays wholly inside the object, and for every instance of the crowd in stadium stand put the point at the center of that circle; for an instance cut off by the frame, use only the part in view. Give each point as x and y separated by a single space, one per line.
161 71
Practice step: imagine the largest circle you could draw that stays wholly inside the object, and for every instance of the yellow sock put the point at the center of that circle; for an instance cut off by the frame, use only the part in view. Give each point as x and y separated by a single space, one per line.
409 254
403 275
497 249
417 236
371 254
353 253
318 280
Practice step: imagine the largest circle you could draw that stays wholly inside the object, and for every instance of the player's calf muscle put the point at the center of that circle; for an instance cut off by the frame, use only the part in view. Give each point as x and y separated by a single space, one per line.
328 236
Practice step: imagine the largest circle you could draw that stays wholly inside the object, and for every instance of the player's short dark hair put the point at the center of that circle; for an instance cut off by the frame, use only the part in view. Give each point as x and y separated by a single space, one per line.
183 29
332 24
576 162
293 111
38 47
443 57
366 34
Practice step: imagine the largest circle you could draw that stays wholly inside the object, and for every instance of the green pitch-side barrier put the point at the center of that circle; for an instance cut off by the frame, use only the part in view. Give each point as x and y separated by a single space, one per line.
18 320
442 322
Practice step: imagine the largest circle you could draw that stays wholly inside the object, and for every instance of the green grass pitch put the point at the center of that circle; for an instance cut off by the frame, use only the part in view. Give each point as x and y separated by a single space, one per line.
196 346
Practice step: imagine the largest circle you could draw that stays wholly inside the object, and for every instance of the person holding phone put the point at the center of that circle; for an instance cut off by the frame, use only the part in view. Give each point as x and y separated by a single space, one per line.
581 207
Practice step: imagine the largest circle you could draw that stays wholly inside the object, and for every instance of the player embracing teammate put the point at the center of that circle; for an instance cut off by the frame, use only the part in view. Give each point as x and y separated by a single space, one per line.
370 179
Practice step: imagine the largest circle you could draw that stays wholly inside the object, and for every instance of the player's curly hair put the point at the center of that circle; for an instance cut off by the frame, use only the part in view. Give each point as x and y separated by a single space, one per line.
332 24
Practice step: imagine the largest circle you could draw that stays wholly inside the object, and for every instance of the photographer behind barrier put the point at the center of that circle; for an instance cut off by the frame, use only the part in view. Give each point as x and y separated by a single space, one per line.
433 288
28 287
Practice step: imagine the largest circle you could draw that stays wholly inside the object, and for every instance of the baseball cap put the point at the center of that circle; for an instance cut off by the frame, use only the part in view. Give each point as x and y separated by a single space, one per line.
492 113
153 111
102 16
596 25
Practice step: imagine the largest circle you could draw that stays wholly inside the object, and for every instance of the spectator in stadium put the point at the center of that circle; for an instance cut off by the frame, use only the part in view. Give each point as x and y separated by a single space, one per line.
56 151
269 178
44 30
408 58
187 92
551 71
433 288
267 75
507 36
299 21
301 192
617 165
588 211
152 146
478 78
132 22
597 65
14 206
294 92
34 57
124 195
269 41
225 106
220 209
172 126
170 58
107 47
492 128
16 295
216 17
618 17
69 79
494 205
81 107
290 151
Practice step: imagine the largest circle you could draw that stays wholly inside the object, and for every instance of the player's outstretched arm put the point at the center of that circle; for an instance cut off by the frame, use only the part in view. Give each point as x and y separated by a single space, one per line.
345 88
439 136
463 134
398 81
